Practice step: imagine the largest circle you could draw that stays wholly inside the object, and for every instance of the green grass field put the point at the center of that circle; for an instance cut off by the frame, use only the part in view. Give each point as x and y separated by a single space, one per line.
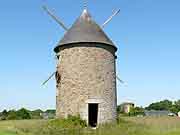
126 126
6 133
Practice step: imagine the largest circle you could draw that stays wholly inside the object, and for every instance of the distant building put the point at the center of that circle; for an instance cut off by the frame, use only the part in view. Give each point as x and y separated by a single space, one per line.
178 114
46 115
126 107
156 113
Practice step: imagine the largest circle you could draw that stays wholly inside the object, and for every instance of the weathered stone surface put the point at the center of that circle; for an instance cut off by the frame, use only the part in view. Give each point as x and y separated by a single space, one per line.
87 75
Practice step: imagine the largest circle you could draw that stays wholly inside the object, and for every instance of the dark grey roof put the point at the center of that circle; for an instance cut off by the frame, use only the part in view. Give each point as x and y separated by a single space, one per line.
84 30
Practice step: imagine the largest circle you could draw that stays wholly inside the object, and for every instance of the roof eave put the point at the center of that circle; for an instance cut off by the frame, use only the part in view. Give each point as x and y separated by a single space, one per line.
56 49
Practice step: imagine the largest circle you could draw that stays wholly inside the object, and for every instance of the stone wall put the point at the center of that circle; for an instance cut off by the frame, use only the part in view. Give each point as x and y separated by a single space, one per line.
86 74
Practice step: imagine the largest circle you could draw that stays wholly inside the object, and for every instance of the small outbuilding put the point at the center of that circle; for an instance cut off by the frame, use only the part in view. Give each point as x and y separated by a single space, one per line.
126 107
179 114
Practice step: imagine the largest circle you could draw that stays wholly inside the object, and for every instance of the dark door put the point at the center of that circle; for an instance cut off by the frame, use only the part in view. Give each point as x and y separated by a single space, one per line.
93 114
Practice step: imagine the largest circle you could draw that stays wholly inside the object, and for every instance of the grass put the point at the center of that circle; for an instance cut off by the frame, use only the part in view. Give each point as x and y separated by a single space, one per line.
159 125
6 133
126 126
21 127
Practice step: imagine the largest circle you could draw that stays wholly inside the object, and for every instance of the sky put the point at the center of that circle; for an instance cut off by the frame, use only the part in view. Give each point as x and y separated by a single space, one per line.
146 32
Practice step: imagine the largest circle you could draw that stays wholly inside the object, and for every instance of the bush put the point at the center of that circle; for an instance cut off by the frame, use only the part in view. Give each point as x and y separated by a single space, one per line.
70 122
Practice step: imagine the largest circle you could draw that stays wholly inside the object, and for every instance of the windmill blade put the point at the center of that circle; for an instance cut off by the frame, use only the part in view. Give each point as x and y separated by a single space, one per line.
110 18
48 78
54 17
121 81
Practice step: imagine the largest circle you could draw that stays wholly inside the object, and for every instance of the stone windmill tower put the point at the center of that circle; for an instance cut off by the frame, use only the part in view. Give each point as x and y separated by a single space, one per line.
86 72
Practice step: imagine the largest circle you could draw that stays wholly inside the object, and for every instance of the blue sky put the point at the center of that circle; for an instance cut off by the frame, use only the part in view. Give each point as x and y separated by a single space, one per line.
147 34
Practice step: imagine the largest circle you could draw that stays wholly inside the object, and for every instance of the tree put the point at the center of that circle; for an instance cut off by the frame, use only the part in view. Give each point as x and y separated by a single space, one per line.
134 111
4 115
23 114
177 103
36 114
12 115
119 109
174 109
162 105
165 105
50 111
4 112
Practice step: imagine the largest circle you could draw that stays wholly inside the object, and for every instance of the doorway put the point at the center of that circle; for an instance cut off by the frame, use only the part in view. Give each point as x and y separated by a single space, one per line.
92 114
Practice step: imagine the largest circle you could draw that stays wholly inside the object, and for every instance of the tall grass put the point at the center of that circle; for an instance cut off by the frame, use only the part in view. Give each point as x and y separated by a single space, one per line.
126 126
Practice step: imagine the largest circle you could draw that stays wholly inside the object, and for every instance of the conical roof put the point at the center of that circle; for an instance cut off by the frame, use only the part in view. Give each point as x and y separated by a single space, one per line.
84 30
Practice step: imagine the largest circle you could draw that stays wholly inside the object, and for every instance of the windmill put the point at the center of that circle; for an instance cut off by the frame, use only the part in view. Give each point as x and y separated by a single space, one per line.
86 74
55 18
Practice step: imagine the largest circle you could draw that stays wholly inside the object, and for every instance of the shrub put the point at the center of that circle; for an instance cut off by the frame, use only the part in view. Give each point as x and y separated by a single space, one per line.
70 122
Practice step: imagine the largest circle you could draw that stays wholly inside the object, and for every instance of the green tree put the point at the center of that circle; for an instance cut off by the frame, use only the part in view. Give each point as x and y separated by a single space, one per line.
134 111
36 114
119 109
162 105
177 104
165 105
23 114
12 115
50 111
4 115
174 109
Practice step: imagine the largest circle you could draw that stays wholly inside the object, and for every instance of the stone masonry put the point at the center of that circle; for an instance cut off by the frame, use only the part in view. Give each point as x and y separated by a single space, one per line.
86 74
